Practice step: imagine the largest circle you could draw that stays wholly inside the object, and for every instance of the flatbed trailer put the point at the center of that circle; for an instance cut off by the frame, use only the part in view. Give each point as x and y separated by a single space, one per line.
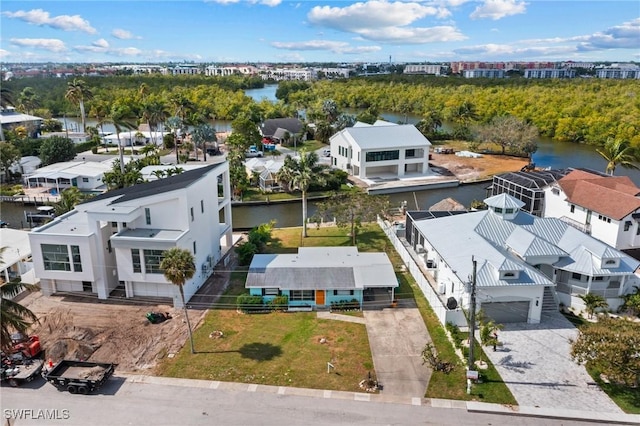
81 377
22 372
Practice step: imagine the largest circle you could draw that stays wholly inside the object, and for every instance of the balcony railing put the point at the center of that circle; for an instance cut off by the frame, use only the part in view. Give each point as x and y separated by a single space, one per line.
609 293
584 227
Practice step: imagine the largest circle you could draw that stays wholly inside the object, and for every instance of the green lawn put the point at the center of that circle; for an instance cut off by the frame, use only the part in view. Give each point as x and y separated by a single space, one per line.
280 349
284 349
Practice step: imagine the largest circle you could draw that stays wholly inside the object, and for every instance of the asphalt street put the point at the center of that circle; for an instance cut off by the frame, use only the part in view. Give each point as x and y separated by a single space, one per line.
134 401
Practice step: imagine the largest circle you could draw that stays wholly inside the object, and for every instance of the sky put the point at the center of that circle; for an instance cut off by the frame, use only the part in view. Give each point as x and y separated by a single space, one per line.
273 31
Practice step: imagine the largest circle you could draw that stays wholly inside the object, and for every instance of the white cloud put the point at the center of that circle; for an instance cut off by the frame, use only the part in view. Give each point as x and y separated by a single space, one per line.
42 18
126 51
123 34
498 9
4 53
625 36
51 44
370 15
387 22
101 43
332 46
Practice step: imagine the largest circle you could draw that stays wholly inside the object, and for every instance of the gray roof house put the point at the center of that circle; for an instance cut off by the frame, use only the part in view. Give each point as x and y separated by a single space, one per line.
277 127
526 265
320 276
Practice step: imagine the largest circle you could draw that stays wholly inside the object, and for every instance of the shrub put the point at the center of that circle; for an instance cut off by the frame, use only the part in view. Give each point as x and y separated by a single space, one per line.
345 305
279 303
248 303
455 333
84 146
245 252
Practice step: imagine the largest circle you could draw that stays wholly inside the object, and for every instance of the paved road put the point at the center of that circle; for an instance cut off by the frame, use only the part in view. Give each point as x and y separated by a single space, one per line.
156 401
397 337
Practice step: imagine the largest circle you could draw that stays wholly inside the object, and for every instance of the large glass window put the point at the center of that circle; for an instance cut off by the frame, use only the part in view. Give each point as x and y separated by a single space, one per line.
382 155
302 295
147 215
135 260
77 259
56 257
152 259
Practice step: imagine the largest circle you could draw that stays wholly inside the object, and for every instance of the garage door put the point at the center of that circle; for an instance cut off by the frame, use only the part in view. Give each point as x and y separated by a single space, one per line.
504 312
152 289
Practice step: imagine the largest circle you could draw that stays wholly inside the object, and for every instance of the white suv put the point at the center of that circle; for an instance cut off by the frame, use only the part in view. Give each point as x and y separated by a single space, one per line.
326 153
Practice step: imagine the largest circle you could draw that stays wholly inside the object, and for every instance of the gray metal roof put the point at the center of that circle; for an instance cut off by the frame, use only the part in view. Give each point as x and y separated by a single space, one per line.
321 268
489 237
382 137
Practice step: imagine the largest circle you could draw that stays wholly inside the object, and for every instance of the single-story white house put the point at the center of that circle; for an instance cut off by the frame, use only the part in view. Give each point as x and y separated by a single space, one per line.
135 138
75 137
85 175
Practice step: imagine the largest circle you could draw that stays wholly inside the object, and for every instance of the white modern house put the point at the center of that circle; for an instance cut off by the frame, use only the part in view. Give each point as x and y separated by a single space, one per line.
606 207
117 239
526 265
381 150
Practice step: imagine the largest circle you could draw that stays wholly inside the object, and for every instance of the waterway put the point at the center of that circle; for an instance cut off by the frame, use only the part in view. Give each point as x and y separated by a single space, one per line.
550 153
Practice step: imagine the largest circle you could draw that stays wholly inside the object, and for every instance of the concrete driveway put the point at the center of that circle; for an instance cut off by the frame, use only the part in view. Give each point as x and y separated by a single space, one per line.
397 337
536 365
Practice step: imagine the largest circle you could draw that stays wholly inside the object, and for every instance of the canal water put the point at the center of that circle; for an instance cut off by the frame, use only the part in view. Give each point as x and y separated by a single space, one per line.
550 153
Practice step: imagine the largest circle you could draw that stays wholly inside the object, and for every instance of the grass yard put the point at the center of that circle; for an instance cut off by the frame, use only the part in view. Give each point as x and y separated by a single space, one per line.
280 349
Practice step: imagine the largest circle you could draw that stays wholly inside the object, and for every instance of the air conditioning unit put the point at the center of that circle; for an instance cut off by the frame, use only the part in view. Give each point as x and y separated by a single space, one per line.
419 248
430 264
442 289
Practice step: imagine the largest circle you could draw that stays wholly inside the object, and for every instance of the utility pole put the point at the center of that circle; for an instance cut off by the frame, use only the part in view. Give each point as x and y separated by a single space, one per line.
472 316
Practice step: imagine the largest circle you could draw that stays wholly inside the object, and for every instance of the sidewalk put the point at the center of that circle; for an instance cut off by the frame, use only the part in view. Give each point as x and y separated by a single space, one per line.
470 406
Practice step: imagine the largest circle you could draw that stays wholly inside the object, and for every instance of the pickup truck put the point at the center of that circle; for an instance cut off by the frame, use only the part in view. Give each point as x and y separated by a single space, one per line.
253 152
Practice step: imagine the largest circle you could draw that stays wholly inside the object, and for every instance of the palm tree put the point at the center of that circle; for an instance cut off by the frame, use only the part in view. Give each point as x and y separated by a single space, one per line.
6 99
13 316
118 117
28 100
174 124
69 198
618 153
593 302
153 113
77 93
304 171
178 266
202 134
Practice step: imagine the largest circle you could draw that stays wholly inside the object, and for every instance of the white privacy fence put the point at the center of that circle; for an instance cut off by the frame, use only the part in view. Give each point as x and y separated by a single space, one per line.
411 262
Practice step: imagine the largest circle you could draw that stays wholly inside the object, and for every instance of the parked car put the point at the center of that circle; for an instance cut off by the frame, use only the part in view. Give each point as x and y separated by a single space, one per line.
326 152
253 152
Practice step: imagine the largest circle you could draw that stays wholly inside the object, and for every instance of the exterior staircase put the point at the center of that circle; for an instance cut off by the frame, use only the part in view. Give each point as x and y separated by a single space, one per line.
549 302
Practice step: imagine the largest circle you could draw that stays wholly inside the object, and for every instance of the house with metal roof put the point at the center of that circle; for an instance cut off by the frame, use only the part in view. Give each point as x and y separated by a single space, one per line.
525 265
606 207
84 175
114 242
381 150
321 276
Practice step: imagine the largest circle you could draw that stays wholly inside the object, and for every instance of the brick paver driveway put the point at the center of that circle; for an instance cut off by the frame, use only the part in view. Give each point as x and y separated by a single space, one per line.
536 365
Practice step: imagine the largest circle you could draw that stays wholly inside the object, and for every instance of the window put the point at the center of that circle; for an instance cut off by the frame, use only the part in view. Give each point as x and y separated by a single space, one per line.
77 259
271 292
598 278
508 211
135 260
610 262
497 209
201 206
555 191
576 276
55 257
410 153
627 225
343 292
147 215
191 212
85 179
194 247
572 209
302 295
508 275
152 259
382 155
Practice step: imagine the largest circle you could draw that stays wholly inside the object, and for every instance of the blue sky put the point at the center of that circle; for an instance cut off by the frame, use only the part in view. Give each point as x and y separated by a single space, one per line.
329 30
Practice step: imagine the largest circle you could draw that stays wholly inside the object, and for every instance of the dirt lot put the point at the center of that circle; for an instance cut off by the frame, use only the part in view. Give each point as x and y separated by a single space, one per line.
84 328
472 169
